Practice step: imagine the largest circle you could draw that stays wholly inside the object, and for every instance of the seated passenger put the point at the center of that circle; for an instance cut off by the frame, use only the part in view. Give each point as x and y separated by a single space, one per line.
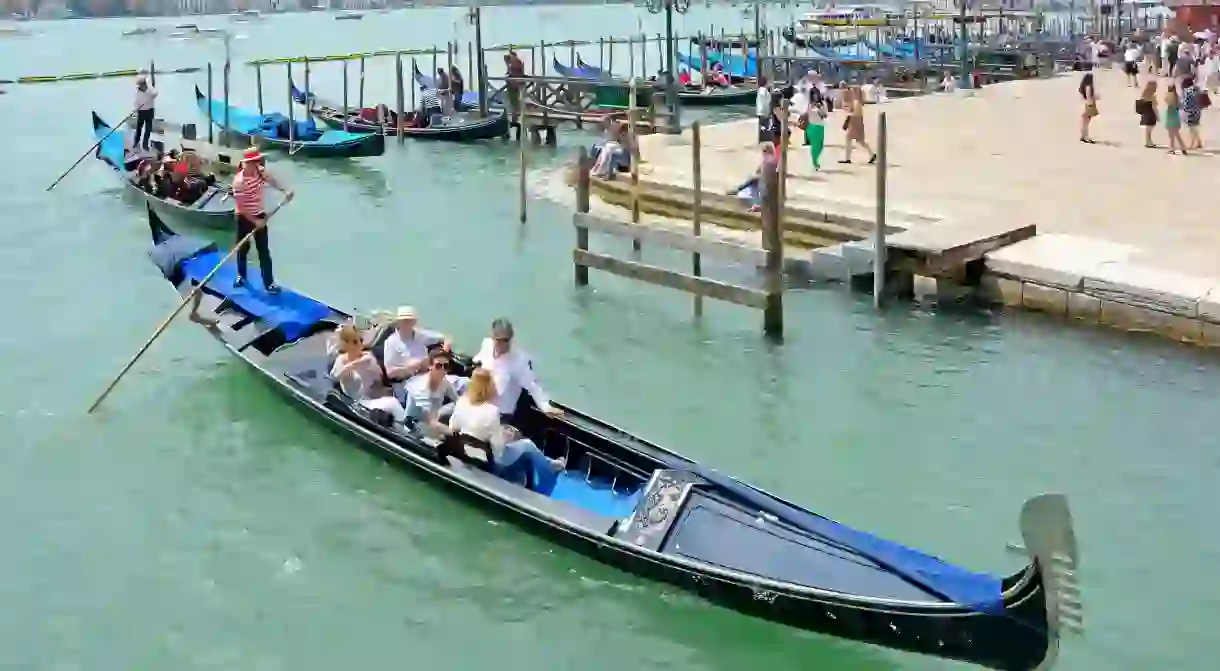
613 155
359 376
431 395
192 167
405 353
177 189
160 182
144 176
514 456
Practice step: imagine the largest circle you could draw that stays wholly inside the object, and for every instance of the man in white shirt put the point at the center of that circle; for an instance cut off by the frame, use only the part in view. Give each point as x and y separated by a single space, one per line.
405 353
1131 63
146 100
512 371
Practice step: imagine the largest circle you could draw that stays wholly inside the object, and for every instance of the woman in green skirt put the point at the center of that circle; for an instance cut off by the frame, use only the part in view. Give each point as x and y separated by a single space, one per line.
814 123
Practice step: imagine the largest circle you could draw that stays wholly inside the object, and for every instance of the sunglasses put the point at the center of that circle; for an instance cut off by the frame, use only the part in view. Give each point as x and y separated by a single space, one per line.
440 365
503 339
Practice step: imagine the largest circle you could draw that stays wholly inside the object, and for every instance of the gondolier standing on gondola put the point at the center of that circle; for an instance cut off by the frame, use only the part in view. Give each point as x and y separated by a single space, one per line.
146 100
248 196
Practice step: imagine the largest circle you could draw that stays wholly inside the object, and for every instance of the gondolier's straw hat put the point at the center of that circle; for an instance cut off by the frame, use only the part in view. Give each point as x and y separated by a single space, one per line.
252 154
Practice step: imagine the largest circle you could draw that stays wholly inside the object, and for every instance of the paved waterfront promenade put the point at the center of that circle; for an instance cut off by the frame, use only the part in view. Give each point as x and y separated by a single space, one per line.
1114 215
1011 153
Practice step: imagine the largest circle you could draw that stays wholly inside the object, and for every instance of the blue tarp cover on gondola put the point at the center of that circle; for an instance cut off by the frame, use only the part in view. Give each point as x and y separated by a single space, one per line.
250 122
977 591
291 312
113 148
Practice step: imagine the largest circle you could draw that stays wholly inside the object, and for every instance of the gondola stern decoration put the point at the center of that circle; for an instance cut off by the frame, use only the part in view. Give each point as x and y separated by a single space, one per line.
1050 542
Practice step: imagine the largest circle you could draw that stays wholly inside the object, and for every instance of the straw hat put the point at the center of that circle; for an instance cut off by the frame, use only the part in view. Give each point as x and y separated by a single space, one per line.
405 312
252 154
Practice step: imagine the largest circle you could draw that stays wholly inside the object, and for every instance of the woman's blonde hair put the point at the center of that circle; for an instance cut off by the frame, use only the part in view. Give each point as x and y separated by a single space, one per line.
349 334
1171 95
481 388
1149 91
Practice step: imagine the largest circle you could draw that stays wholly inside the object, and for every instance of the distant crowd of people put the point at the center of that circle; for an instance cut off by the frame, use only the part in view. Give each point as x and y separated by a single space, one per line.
1176 78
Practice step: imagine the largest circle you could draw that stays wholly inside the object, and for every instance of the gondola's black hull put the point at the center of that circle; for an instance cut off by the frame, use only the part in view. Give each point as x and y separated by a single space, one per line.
494 126
1017 640
1011 643
717 98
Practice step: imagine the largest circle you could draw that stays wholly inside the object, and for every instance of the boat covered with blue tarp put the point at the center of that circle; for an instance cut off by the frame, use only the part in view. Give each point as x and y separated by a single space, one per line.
302 138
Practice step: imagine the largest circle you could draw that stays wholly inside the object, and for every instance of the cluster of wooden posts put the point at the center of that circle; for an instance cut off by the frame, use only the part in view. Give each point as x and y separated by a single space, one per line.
769 258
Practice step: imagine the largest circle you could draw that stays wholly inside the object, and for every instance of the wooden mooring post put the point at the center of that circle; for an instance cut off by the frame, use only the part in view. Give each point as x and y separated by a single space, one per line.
879 227
360 98
632 144
345 106
399 100
258 83
522 143
696 213
292 122
773 245
769 299
224 134
211 124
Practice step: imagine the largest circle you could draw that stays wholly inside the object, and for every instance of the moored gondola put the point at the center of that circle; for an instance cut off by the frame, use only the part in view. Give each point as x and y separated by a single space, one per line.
727 42
654 513
459 127
212 209
277 130
692 96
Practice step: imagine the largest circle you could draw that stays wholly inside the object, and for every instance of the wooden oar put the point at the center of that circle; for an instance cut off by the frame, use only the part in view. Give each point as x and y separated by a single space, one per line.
91 150
189 297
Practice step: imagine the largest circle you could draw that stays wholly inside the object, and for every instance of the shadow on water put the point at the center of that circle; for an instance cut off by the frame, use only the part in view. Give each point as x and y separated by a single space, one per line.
511 575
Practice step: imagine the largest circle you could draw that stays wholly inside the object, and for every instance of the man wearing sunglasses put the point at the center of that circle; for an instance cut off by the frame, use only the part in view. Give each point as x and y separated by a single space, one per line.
431 395
512 371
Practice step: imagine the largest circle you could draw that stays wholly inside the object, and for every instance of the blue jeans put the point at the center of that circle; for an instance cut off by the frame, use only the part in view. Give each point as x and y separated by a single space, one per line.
522 459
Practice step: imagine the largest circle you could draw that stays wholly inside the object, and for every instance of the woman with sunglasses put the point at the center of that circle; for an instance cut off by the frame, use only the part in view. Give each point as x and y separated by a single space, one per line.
359 375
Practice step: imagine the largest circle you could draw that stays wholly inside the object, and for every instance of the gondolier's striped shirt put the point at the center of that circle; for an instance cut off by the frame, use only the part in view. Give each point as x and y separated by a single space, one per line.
429 100
248 193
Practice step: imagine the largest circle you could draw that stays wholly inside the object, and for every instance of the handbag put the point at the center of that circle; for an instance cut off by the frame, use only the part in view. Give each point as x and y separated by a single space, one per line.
1205 99
846 122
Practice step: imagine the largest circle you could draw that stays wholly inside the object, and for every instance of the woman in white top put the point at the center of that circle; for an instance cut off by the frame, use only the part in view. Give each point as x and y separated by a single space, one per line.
515 456
359 375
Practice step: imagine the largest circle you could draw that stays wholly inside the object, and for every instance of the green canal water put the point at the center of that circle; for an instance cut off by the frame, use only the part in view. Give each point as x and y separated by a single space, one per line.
197 522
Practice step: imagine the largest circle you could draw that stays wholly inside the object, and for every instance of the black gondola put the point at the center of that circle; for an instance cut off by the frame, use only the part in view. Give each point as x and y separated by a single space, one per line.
729 42
460 128
654 513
